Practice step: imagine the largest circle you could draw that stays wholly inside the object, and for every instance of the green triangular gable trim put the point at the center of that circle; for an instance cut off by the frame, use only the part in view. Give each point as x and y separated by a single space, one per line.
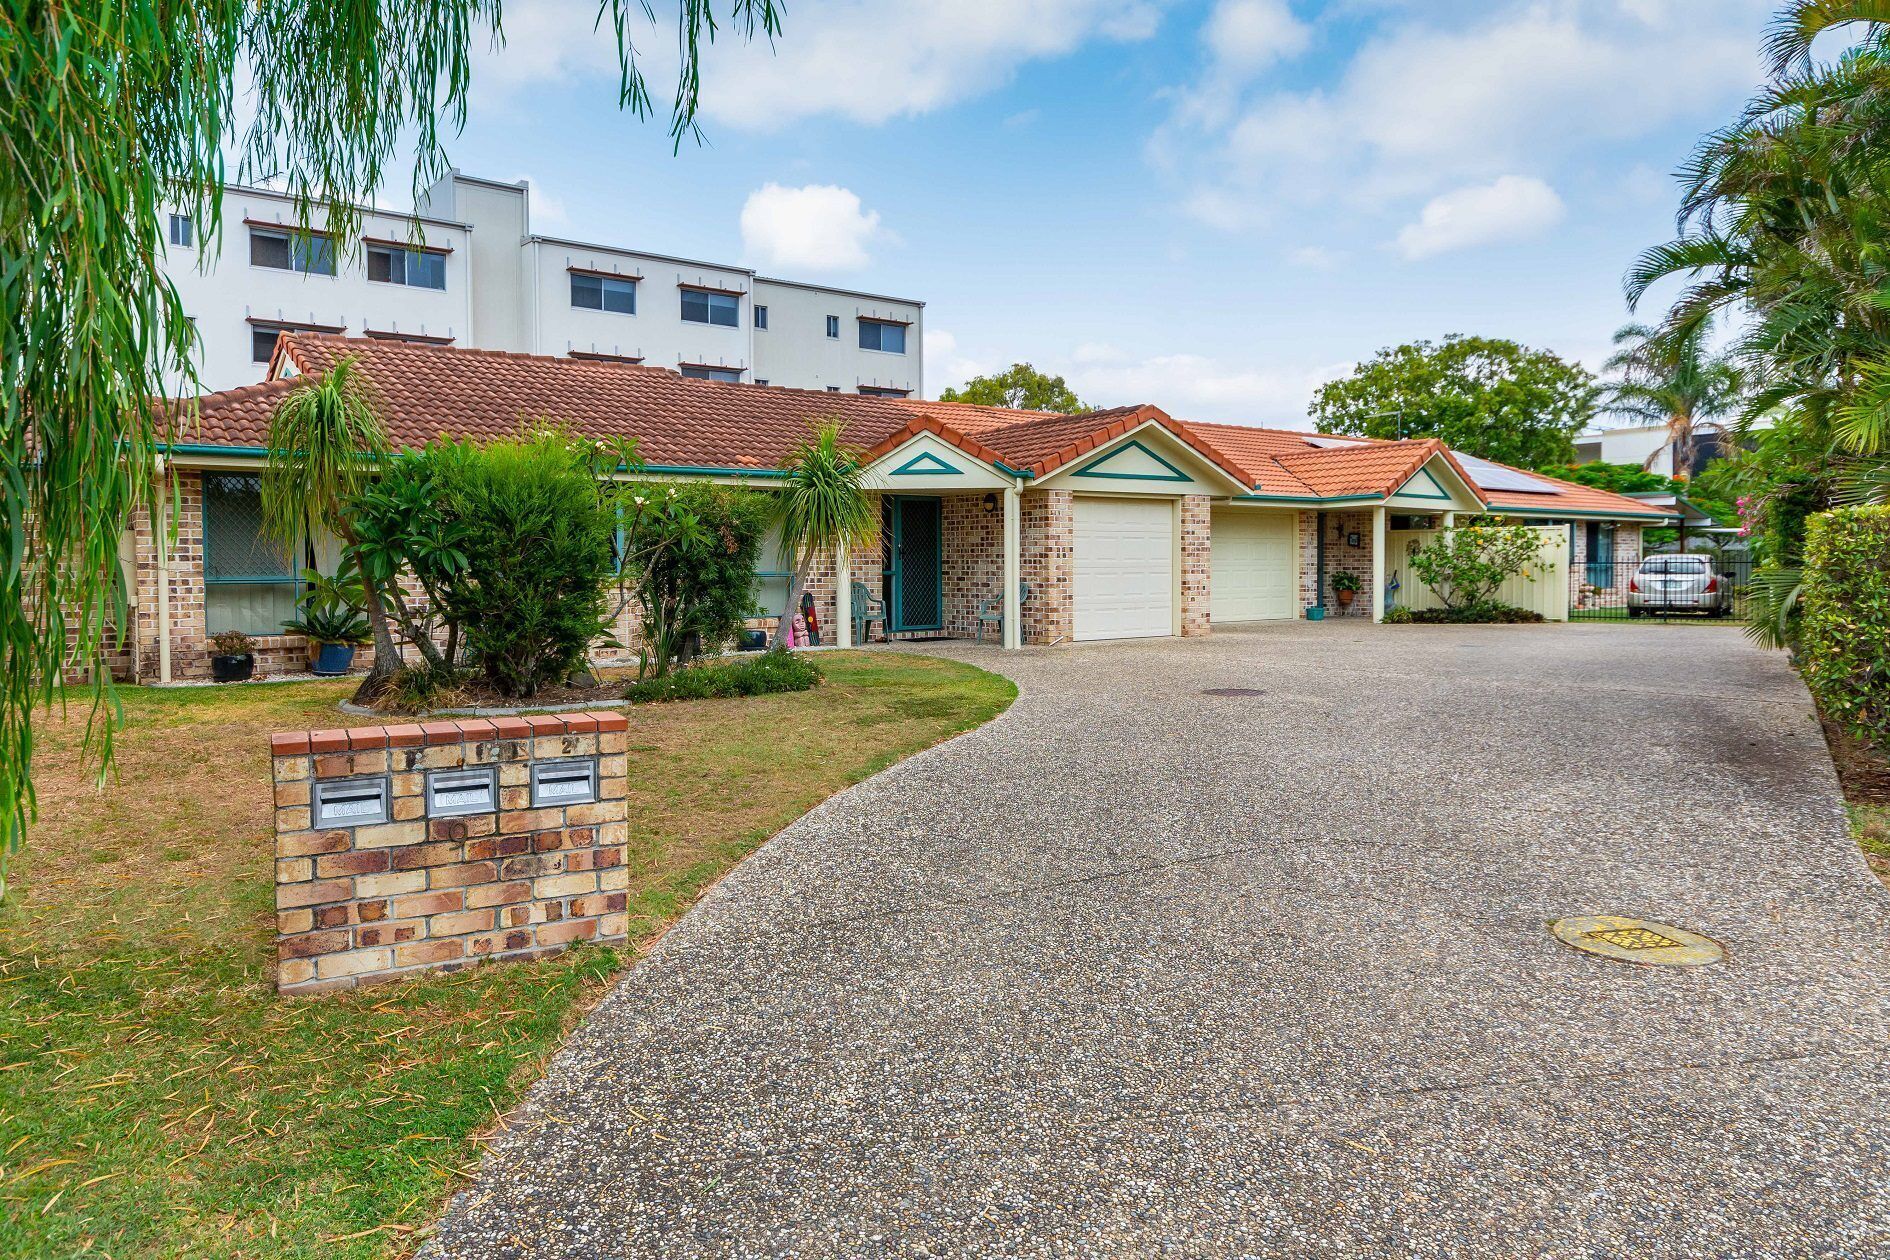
1092 469
1406 491
925 464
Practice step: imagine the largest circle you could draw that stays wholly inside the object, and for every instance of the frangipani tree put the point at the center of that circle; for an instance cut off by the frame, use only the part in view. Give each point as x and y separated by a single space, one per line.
823 507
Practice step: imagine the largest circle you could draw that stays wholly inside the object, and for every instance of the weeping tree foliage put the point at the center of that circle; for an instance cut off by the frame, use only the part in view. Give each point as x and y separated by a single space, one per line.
823 506
325 440
110 115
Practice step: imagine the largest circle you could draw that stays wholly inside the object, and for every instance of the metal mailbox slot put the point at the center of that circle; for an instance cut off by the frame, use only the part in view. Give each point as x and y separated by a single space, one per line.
359 802
564 782
452 792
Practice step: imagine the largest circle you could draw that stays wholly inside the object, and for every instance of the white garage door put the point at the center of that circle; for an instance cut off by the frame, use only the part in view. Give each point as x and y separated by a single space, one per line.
1254 574
1125 568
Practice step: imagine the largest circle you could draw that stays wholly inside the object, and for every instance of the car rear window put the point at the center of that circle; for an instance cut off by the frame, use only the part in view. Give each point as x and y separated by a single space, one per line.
1675 564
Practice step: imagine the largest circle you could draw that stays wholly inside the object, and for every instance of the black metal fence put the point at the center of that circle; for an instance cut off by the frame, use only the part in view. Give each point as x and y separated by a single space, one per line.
1605 590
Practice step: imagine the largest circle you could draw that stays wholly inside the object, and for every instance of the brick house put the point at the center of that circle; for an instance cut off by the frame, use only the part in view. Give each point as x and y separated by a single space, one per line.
1121 523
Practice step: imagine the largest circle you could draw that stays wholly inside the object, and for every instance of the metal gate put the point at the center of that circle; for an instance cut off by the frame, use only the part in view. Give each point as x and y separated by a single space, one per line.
1603 589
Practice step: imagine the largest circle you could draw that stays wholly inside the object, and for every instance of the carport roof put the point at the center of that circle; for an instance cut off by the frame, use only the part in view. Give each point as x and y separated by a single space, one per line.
685 425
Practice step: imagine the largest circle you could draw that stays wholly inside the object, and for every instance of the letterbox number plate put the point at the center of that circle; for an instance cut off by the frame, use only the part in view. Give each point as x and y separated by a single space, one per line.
359 802
452 792
564 782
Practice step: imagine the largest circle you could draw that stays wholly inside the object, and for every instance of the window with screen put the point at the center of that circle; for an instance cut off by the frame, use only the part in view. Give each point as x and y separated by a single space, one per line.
879 335
183 230
603 293
696 371
250 579
833 327
412 267
262 343
292 251
700 306
761 317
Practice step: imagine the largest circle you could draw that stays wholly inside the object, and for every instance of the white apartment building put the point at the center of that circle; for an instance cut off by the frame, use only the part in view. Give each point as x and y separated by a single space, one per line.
1646 445
466 269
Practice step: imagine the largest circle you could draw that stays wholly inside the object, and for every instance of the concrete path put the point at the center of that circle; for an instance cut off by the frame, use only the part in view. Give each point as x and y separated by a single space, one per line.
1134 970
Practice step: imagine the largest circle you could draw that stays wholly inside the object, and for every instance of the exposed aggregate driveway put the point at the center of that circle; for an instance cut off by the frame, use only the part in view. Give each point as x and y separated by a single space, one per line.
1137 971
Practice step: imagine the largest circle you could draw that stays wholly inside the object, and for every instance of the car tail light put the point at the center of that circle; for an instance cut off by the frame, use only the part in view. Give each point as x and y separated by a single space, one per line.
1712 584
1634 585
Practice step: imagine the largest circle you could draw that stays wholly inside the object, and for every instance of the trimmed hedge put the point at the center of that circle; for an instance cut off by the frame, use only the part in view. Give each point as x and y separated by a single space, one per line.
1488 612
762 675
1845 633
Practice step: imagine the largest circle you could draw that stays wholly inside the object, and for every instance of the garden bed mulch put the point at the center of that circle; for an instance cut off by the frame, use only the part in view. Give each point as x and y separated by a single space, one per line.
1863 772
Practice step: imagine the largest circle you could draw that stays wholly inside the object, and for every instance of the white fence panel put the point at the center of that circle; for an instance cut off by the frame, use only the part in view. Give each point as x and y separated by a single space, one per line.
1542 586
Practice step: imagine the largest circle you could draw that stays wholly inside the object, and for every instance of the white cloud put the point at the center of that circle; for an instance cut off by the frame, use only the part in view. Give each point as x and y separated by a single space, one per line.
547 211
869 61
1196 387
1315 257
819 227
1422 104
1512 208
946 366
1249 35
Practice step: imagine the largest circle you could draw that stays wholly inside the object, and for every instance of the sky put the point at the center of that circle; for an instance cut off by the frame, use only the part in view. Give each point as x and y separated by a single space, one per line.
1211 206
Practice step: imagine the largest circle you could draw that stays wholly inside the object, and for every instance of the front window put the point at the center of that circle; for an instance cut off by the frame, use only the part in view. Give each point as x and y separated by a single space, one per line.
183 230
879 335
698 372
412 267
833 327
604 293
700 306
761 317
292 251
250 581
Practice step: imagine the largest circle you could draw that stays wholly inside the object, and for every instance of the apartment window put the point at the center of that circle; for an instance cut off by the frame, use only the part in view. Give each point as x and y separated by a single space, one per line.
699 372
761 317
700 306
833 389
876 334
881 391
760 381
292 251
833 327
183 230
412 267
249 577
604 293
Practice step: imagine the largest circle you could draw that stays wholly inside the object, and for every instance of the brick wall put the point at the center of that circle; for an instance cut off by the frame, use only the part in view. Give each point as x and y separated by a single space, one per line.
1048 530
1340 555
1309 593
1197 564
357 904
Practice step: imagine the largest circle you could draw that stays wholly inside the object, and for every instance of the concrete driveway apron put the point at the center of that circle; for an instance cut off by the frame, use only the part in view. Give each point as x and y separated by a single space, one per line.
1139 970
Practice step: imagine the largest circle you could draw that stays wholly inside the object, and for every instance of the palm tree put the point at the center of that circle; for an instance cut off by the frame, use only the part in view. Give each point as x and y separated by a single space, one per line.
1675 382
823 507
325 438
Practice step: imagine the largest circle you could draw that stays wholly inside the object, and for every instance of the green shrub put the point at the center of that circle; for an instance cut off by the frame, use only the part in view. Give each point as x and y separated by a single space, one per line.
1845 631
537 543
759 676
689 553
1464 566
421 688
1485 612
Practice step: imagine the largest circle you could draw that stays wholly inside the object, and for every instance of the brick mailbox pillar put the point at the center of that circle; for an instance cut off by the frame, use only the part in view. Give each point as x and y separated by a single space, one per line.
434 846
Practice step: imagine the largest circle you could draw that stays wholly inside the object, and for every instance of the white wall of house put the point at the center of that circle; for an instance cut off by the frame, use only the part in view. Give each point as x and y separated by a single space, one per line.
509 289
795 348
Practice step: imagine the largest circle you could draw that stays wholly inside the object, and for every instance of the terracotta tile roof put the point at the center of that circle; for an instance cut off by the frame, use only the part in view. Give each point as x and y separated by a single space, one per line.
433 391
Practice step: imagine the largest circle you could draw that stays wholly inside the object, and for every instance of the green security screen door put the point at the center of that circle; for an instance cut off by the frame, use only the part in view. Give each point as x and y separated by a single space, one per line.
917 576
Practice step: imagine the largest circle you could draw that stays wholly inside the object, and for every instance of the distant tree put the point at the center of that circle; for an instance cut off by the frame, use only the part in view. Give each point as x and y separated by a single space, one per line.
1480 395
1672 380
1618 478
1020 387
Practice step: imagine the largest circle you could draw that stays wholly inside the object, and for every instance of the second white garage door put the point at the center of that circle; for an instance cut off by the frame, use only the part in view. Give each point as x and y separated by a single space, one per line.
1125 568
1254 574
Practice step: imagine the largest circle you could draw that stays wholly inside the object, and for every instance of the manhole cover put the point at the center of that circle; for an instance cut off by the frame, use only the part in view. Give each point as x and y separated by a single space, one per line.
1637 940
1233 691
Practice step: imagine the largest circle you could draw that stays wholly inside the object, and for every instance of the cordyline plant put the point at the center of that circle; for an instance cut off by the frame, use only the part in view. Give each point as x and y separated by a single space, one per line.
111 115
1465 566
823 507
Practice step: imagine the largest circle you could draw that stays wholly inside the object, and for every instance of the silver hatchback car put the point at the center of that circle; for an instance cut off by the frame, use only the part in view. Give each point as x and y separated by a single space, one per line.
1679 583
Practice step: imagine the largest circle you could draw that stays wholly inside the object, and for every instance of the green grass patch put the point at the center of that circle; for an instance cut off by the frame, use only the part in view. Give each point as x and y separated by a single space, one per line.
158 1099
1871 825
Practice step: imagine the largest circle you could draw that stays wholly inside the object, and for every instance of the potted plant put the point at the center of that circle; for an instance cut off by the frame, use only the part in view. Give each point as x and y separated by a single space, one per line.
1345 586
333 621
232 656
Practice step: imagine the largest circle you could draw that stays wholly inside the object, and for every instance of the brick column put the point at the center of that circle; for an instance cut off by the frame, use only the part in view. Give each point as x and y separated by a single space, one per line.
1049 553
361 903
1197 565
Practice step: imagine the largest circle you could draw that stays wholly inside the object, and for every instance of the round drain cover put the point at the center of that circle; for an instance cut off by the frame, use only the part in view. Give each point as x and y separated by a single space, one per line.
1637 940
1232 691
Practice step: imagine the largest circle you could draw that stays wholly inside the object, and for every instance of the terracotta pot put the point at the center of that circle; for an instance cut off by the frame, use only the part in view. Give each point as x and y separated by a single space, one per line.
1345 598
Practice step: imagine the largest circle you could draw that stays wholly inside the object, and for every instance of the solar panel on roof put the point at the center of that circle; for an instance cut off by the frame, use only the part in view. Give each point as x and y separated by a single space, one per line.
1331 443
1490 476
